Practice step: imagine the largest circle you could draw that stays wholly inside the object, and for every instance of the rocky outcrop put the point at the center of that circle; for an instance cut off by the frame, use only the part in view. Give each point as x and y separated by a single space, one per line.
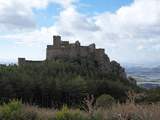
118 70
107 66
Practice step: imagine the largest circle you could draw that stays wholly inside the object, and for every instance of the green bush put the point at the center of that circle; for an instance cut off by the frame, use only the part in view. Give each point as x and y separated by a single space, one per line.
98 115
15 110
105 101
10 110
66 114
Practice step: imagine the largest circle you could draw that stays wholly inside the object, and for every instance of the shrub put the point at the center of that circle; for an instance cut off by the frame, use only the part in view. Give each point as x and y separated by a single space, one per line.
98 115
105 101
11 109
66 114
14 110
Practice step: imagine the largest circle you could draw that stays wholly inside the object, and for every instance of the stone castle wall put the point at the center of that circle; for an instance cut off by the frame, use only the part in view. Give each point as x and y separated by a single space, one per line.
63 49
22 61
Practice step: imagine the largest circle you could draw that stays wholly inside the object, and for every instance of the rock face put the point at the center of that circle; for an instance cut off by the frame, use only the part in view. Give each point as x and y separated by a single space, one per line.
117 69
65 50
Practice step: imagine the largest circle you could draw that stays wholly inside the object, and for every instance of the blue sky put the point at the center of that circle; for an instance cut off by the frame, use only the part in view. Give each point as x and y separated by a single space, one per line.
127 29
99 6
45 17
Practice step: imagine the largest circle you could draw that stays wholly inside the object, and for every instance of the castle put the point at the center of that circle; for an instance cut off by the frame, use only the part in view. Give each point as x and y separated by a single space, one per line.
63 49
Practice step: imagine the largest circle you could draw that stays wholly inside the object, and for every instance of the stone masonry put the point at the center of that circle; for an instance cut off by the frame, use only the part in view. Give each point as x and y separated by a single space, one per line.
64 49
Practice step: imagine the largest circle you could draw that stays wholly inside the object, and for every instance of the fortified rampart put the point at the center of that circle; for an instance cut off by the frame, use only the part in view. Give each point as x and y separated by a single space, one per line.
22 61
64 49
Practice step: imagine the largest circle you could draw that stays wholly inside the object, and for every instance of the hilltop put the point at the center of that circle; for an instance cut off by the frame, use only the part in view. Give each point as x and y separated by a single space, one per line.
63 50
68 74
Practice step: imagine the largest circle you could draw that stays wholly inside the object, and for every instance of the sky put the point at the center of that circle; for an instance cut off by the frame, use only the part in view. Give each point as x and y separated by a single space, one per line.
129 30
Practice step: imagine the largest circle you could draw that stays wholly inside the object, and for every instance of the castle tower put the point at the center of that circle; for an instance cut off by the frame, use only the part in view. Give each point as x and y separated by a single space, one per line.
21 61
57 41
77 43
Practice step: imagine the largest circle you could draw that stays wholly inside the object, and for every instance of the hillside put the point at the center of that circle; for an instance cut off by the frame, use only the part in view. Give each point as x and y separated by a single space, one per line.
59 82
64 77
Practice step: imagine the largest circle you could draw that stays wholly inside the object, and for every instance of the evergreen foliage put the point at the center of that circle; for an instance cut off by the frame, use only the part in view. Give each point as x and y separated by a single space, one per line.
53 83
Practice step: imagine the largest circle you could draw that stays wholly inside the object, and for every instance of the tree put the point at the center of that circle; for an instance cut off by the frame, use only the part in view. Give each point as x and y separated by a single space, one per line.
105 101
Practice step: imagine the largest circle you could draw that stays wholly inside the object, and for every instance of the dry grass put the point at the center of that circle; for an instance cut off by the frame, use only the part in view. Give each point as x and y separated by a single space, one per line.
44 113
132 112
127 111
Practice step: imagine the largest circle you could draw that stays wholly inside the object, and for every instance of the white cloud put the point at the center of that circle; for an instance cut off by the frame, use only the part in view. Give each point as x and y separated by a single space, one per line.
18 14
130 27
129 32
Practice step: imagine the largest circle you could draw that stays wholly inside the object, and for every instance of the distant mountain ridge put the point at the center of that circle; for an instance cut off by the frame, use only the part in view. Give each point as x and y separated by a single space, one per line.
148 77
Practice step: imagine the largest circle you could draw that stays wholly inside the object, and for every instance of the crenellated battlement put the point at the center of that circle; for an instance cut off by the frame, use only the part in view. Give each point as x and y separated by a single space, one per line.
58 43
61 49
